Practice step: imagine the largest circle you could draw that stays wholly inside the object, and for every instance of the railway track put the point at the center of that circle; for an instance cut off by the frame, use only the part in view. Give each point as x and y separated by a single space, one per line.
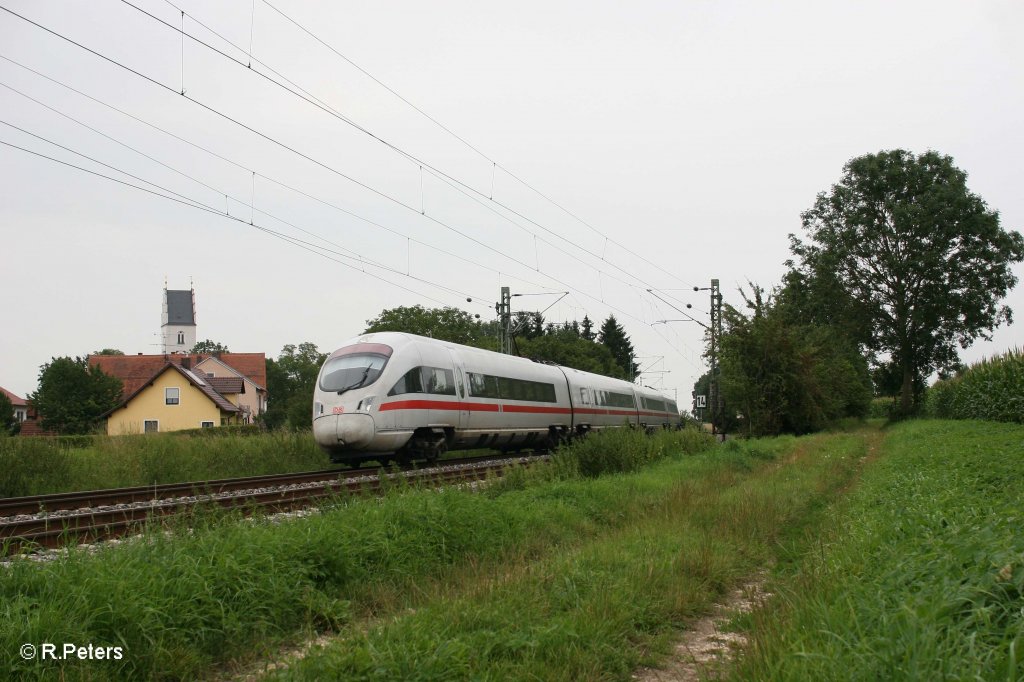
50 521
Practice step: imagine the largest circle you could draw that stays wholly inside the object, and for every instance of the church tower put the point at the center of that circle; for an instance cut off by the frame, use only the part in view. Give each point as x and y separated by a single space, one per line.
178 328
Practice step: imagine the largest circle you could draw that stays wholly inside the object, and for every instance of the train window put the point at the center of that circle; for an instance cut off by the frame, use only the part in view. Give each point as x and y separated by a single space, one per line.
345 372
619 400
584 396
487 386
654 405
412 382
483 386
439 381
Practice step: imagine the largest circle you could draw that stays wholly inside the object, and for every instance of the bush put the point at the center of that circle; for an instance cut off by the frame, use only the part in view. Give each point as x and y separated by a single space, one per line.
626 449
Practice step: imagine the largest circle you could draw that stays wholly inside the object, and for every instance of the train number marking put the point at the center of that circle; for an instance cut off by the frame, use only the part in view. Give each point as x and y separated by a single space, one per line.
338 410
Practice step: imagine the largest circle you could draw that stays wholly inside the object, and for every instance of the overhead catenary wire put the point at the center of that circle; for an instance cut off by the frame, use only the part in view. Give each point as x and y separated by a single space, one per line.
192 203
139 74
271 139
247 169
306 156
495 164
312 99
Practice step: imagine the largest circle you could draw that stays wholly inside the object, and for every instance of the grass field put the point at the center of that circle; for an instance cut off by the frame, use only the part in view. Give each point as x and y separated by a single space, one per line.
918 575
897 554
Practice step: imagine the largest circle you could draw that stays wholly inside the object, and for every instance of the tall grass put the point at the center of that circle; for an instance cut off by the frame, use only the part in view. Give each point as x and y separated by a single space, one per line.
601 608
992 389
919 576
180 603
33 466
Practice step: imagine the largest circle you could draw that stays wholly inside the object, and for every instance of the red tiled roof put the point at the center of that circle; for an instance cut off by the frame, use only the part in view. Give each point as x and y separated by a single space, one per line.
15 400
135 371
226 385
223 403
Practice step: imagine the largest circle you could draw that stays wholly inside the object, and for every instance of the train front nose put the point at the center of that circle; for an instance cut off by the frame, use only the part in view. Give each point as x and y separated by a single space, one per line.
348 431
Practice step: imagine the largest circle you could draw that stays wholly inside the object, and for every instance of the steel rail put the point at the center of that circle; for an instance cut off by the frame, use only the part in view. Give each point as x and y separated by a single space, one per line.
52 502
27 535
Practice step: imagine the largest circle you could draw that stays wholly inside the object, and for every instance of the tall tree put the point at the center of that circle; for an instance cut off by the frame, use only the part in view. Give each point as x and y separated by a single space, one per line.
921 257
788 377
447 324
587 329
208 346
291 380
613 336
565 347
72 395
109 351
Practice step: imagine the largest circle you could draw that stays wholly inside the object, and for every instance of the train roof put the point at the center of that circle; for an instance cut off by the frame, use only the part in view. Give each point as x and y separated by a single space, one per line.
398 340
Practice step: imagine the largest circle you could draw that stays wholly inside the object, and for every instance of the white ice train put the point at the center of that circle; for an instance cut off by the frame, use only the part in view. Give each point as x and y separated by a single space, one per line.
393 396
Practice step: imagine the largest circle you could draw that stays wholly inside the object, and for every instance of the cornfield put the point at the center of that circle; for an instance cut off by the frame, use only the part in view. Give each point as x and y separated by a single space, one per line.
992 389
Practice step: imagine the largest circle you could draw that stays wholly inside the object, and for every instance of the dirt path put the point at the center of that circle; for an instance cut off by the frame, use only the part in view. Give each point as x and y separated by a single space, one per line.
705 646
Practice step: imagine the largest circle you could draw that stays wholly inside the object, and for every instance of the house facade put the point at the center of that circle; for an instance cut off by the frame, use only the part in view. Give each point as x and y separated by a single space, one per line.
250 369
172 400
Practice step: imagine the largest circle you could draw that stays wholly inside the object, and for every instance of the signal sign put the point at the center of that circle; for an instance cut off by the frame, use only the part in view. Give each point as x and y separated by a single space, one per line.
701 401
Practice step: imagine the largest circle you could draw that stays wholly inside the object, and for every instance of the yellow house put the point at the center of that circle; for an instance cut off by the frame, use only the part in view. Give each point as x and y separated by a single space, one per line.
174 399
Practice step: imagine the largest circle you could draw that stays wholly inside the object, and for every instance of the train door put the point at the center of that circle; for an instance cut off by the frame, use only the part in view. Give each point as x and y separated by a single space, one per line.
461 391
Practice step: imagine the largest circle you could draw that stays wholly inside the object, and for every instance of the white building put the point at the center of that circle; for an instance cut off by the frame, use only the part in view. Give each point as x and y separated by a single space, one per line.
178 327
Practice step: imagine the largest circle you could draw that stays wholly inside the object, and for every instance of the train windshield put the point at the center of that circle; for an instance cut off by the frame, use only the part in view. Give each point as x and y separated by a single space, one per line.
345 371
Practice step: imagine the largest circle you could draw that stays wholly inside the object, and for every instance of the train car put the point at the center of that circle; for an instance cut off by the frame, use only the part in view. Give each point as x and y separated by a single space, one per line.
394 396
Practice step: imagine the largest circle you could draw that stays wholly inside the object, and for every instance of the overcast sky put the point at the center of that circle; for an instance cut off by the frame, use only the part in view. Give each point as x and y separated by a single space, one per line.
679 141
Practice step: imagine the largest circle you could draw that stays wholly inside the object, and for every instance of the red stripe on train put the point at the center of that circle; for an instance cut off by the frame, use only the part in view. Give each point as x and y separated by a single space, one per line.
437 405
491 407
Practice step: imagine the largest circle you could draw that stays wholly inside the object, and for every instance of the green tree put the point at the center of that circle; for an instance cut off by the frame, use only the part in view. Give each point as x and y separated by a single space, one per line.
785 377
291 380
566 347
108 351
922 259
72 395
447 324
614 338
208 346
587 329
9 425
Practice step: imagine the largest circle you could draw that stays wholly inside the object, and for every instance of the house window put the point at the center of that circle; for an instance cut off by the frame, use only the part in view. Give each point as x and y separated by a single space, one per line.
171 396
181 338
206 425
150 426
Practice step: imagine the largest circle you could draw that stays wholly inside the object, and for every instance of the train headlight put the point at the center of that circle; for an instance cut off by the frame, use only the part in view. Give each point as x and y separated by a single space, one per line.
318 408
368 402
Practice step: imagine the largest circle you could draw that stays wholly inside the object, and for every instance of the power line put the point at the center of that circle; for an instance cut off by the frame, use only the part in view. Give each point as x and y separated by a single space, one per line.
308 97
240 166
192 203
275 141
324 165
494 163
